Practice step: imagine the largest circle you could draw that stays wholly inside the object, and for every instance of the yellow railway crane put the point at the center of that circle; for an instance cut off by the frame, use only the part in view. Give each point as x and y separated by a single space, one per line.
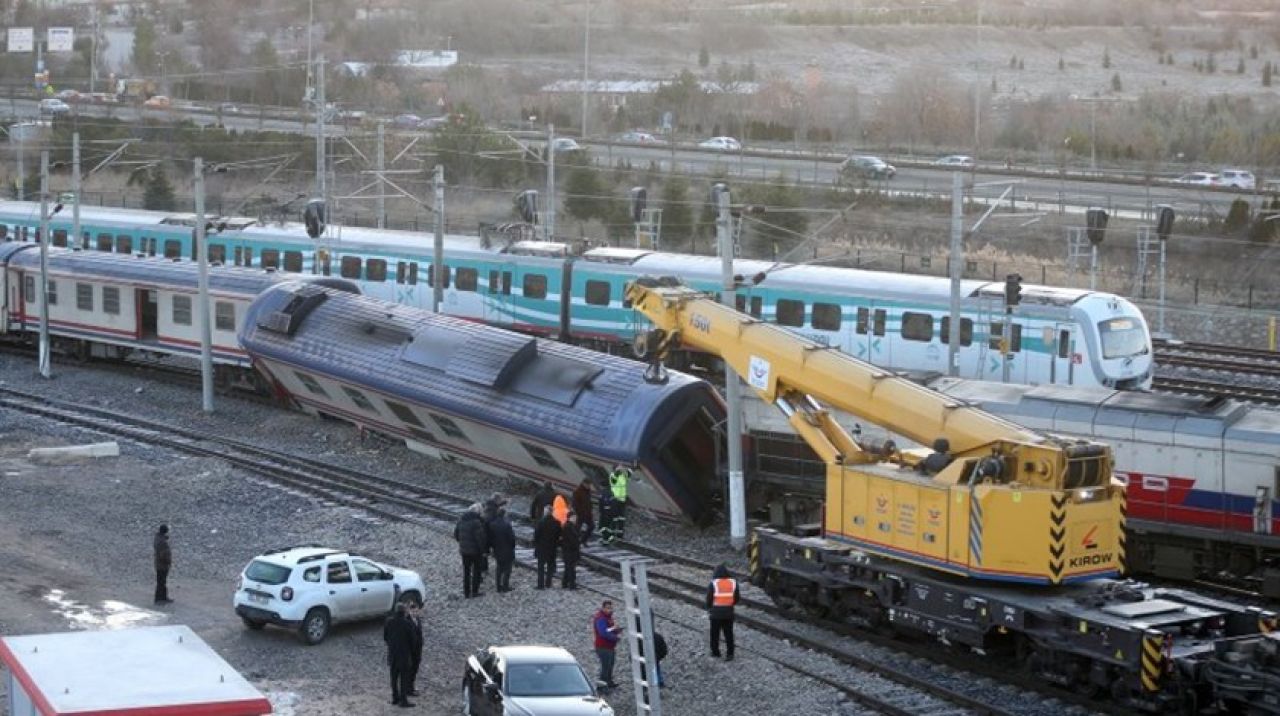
1000 502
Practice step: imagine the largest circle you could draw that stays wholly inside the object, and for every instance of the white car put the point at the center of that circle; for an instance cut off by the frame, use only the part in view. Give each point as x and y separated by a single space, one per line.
54 106
1238 178
565 144
310 588
955 160
723 144
528 681
1197 179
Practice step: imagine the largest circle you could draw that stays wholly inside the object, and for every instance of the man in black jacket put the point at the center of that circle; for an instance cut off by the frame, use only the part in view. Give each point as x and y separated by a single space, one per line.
397 632
473 544
163 560
546 537
502 540
542 498
571 551
414 615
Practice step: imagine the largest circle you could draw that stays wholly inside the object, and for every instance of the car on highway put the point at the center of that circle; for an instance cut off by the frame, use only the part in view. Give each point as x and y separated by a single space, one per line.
954 160
158 102
406 121
528 681
723 144
434 122
565 144
53 106
67 95
310 588
867 167
1236 178
1197 179
228 108
637 137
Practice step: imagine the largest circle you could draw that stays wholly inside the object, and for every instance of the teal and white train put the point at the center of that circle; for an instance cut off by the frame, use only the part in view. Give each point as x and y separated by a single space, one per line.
1056 335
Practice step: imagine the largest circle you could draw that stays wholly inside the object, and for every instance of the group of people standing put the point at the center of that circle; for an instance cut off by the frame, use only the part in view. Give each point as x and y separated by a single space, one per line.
561 528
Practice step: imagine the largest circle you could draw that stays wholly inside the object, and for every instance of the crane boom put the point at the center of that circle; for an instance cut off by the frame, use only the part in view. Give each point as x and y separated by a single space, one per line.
902 503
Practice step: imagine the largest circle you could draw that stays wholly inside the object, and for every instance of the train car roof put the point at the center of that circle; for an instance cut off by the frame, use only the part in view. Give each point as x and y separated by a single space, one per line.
340 237
591 402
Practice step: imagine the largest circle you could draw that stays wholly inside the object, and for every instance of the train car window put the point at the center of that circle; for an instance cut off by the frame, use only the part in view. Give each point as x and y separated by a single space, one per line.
270 258
506 283
1015 337
53 293
37 230
105 242
217 253
85 240
111 300
595 473
350 267
826 317
84 296
541 456
29 288
182 310
757 306
421 434
402 271
359 399
151 246
449 427
413 273
293 261
4 232
917 326
598 293
431 276
124 244
492 286
402 411
224 315
863 320
59 237
468 279
535 286
994 334
1064 344
248 256
966 331
310 384
239 256
740 302
790 312
878 324
375 270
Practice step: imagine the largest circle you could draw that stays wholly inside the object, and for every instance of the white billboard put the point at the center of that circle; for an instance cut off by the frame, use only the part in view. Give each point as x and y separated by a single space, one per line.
61 39
22 39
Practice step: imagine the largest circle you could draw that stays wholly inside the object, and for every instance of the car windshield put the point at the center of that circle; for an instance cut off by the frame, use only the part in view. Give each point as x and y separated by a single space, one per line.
266 572
1122 337
547 680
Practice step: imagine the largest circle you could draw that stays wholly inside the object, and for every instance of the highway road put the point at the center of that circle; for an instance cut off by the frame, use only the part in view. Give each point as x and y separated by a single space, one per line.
1034 190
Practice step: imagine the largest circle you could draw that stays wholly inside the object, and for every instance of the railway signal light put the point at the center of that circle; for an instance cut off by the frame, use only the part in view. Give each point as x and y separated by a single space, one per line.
1096 221
1012 289
639 201
1164 222
314 216
527 205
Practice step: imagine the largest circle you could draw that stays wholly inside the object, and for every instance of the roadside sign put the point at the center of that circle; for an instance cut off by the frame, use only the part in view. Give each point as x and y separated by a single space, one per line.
22 39
61 39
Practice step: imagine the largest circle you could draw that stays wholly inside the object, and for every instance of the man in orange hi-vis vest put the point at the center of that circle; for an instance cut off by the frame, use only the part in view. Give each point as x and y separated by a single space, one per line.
722 595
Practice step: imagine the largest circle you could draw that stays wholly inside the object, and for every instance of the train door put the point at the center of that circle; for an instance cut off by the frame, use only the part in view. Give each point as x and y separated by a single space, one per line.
498 305
1061 350
870 342
148 314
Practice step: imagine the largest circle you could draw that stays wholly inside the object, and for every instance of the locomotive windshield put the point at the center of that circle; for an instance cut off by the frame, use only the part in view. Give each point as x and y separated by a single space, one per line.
1122 337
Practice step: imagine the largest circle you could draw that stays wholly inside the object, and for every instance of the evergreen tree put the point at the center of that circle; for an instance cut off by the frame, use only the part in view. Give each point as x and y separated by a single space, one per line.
677 215
157 193
704 57
585 195
1062 64
1115 83
1106 58
1253 52
782 226
144 47
1266 75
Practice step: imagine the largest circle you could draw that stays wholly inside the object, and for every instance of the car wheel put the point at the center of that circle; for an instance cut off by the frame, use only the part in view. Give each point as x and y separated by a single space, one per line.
466 698
315 626
253 624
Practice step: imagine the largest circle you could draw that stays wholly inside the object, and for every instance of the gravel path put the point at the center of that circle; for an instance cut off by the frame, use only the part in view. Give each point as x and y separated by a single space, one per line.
85 530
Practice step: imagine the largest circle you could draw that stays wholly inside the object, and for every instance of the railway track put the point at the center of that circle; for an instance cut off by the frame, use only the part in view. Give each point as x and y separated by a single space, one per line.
1213 349
1198 386
879 674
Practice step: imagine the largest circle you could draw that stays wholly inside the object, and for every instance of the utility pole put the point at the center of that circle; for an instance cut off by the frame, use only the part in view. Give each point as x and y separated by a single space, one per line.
46 370
729 297
586 56
1093 137
202 308
957 262
22 164
93 52
437 256
321 164
75 189
382 168
549 222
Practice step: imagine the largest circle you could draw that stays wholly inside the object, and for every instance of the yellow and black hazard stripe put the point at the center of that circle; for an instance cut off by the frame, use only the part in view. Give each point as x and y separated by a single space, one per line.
753 556
1120 542
1152 660
1057 535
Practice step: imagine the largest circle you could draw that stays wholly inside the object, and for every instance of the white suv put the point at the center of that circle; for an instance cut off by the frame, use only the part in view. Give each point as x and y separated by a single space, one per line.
310 588
1238 178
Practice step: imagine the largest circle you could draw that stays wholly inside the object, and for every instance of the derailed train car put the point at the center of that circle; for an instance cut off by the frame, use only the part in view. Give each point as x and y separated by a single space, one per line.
505 403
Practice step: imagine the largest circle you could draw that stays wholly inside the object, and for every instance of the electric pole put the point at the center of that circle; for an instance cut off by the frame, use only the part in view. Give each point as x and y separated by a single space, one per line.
46 370
957 259
75 189
549 222
586 56
382 168
729 297
321 164
202 258
437 257
22 164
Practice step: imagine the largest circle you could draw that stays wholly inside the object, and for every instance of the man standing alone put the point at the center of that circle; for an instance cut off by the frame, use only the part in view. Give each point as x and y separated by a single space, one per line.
722 595
397 632
164 560
606 642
